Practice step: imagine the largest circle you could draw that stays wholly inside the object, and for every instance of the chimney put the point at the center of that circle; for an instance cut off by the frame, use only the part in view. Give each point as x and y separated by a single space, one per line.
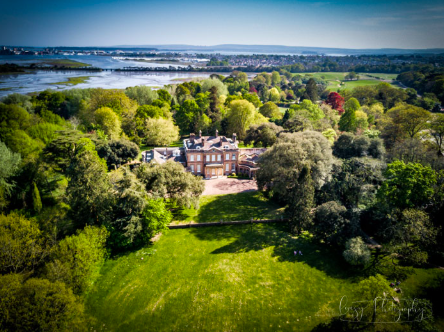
217 133
200 133
234 137
192 137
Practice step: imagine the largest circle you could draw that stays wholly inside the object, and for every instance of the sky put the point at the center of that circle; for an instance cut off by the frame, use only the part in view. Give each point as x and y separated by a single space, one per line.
338 24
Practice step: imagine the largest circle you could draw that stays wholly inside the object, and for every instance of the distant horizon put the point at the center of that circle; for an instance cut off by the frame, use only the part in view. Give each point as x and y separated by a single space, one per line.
344 24
218 45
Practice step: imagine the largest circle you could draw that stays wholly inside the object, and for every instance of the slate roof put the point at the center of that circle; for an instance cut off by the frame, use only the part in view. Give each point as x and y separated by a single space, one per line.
161 155
210 142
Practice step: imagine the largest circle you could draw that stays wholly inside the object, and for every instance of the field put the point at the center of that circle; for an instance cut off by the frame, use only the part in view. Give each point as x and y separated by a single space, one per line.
228 278
335 79
73 80
64 63
241 206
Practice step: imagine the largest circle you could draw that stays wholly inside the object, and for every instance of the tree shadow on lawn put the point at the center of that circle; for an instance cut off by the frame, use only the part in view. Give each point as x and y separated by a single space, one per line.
257 237
241 206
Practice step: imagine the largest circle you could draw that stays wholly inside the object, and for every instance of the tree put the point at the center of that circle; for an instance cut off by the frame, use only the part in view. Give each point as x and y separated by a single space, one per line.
149 111
281 164
264 135
331 224
356 252
187 116
22 245
411 234
311 90
313 111
36 201
336 101
155 218
330 134
348 119
361 120
240 117
117 100
144 95
407 185
171 181
38 305
108 121
88 192
274 95
9 165
437 131
210 82
403 121
301 201
373 288
275 78
78 258
117 152
349 145
270 110
160 132
127 227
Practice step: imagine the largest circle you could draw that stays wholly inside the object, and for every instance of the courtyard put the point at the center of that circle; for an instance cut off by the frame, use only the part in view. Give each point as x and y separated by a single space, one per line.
228 186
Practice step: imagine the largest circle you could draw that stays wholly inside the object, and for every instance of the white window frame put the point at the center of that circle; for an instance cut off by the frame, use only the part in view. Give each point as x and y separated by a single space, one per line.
208 158
218 157
227 167
233 157
198 157
191 157
227 156
213 157
233 166
198 168
192 168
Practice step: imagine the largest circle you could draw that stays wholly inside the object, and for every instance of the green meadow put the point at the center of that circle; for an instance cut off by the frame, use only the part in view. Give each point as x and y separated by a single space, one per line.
241 206
229 278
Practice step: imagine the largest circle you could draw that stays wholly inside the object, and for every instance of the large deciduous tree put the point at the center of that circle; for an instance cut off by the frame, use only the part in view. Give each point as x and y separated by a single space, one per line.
171 181
336 101
240 116
280 165
263 135
160 132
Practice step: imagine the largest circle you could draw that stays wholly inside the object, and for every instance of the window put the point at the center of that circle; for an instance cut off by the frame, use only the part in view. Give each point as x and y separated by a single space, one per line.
218 157
226 147
191 157
213 157
233 167
198 157
227 157
227 167
192 168
208 158
198 168
214 171
233 157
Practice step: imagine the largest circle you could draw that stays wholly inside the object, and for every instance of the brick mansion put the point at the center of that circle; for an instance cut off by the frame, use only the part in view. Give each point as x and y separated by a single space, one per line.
209 156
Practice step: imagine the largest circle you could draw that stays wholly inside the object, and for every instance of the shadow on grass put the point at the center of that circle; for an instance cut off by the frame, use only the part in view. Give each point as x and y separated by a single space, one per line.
240 206
256 237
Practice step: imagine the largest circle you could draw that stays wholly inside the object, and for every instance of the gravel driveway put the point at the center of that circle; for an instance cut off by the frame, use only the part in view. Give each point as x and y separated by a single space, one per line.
228 186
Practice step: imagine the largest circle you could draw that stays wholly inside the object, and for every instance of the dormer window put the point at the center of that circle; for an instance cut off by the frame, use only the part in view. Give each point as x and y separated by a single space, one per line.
226 146
198 147
176 153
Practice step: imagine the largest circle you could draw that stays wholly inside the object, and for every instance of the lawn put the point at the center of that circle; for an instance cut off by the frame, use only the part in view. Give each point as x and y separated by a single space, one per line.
335 78
230 278
241 206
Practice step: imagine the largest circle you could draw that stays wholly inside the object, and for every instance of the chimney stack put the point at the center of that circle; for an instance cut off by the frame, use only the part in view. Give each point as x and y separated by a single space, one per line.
234 137
217 133
192 137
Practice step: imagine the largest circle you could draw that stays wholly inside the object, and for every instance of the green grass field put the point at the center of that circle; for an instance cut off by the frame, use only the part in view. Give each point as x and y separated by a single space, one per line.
241 206
228 278
73 80
334 79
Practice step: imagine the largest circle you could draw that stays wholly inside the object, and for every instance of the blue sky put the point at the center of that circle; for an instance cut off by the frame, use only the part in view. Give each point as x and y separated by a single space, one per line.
345 24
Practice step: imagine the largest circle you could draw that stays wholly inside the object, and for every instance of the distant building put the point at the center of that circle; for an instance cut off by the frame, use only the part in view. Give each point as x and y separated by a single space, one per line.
209 156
